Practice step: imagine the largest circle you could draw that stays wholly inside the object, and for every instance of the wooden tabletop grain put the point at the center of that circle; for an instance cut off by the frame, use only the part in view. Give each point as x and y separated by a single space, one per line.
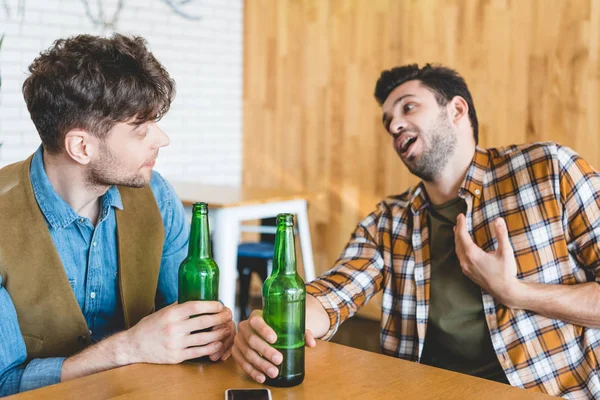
333 371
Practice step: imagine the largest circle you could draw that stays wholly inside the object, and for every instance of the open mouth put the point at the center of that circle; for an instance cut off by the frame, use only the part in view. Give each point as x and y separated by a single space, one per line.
406 144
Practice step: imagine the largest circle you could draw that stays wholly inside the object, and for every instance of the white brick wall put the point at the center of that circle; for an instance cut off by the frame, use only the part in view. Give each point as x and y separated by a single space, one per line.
204 57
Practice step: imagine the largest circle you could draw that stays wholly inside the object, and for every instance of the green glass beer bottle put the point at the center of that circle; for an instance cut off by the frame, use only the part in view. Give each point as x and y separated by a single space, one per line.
284 306
199 273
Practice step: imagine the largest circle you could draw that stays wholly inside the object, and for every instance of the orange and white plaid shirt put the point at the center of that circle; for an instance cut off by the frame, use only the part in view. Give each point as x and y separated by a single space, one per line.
550 199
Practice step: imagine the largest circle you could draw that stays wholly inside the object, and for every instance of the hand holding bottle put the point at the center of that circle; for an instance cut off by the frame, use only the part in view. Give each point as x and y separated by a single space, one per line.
278 333
170 336
254 338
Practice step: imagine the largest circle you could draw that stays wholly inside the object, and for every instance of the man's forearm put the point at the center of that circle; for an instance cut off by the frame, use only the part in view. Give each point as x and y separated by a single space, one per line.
575 304
317 319
110 353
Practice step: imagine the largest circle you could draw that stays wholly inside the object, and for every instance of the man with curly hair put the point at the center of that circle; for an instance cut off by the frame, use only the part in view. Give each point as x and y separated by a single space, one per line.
91 236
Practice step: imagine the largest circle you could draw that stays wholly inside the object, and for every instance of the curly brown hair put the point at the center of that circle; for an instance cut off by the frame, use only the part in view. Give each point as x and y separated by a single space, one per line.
91 83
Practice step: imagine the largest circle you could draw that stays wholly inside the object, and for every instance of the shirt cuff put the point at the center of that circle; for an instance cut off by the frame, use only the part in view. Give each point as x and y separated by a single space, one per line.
317 290
42 372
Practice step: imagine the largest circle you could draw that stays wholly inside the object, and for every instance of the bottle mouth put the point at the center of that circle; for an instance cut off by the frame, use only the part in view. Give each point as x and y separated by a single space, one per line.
200 207
285 219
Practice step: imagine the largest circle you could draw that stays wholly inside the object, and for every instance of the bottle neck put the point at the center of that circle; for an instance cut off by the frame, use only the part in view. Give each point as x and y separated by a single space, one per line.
284 260
199 246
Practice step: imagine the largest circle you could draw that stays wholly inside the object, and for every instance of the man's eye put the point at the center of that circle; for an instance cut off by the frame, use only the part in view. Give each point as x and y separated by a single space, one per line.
408 107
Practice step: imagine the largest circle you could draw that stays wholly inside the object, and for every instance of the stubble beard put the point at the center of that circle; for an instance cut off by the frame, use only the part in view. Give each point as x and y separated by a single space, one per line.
108 171
442 147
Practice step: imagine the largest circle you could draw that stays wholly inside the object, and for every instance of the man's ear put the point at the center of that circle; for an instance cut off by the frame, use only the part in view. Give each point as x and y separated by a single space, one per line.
459 110
81 146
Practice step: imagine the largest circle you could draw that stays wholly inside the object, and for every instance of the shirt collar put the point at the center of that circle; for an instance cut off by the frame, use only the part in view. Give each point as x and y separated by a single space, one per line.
112 198
472 184
57 211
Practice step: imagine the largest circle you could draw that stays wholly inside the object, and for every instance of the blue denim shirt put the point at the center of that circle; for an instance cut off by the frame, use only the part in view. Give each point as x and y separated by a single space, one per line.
89 256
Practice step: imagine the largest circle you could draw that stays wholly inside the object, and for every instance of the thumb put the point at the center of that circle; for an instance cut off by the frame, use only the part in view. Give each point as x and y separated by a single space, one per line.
501 231
310 338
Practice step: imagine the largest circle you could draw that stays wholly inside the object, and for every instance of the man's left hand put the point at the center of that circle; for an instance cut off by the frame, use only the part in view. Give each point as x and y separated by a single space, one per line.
496 271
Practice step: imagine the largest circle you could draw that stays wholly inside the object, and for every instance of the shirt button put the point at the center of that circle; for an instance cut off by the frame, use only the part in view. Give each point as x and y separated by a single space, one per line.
94 244
93 295
81 220
477 192
90 332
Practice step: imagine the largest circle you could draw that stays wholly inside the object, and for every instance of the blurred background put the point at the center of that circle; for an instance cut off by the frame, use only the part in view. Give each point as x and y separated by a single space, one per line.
278 93
199 43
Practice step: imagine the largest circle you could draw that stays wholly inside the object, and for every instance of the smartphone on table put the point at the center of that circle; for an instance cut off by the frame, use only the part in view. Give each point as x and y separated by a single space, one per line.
248 394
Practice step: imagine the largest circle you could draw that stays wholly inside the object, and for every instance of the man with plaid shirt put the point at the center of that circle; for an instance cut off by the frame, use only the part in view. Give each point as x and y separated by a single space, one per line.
490 266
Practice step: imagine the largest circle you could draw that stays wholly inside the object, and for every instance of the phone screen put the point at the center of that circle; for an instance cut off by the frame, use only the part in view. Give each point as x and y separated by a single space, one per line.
248 394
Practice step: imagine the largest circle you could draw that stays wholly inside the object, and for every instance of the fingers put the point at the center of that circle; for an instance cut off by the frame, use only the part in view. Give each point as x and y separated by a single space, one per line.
501 231
227 343
459 244
190 308
227 352
202 338
252 351
225 325
226 355
258 344
260 326
196 352
246 366
309 338
467 251
461 235
206 321
250 356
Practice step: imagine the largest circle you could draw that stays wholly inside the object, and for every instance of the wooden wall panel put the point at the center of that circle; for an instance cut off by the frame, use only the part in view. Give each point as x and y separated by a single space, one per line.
310 67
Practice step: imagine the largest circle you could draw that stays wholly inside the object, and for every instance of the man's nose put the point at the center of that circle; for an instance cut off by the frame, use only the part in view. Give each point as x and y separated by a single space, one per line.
162 138
397 126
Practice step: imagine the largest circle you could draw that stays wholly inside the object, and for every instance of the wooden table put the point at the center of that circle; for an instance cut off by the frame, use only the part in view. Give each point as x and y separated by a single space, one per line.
229 207
333 371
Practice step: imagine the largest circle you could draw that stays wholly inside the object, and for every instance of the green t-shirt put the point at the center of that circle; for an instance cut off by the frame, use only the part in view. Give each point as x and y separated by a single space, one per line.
457 335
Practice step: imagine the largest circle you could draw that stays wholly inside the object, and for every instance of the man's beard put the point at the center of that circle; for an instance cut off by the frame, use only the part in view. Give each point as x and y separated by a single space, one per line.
108 171
442 141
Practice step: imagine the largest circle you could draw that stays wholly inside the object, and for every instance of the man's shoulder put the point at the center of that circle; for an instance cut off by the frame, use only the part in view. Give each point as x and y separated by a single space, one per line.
397 204
10 176
392 210
528 152
551 154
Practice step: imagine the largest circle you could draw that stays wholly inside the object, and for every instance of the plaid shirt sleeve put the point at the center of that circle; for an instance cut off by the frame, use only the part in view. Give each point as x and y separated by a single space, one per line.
356 277
580 194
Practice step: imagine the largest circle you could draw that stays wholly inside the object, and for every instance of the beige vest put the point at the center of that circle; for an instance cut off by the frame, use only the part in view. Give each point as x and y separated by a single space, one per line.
49 316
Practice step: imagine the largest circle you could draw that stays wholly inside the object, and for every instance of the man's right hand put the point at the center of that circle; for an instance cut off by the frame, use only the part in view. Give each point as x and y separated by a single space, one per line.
165 337
252 348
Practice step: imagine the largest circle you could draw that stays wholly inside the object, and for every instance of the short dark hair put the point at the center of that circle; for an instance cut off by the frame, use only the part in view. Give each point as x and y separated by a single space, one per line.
90 82
445 83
